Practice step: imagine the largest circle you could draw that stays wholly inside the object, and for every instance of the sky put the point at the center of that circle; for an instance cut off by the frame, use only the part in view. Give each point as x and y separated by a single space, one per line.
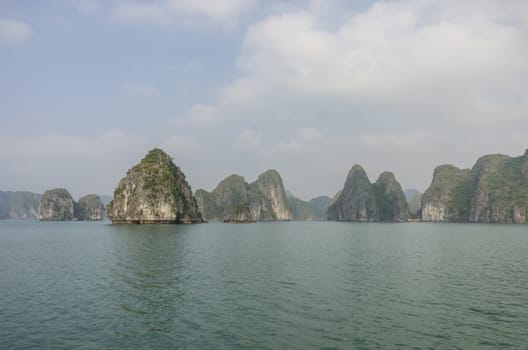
308 88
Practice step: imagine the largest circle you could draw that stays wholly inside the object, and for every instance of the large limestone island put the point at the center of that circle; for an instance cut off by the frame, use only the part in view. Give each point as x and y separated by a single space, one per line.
359 200
495 190
154 191
58 205
236 201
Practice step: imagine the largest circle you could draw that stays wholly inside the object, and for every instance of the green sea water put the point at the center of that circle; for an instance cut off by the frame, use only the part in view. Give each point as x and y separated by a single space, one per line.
288 285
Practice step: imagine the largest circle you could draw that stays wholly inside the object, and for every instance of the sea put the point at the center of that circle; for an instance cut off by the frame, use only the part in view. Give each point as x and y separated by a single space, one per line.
277 285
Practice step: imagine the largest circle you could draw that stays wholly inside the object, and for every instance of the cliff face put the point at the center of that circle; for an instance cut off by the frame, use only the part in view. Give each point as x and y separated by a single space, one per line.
154 191
270 185
495 190
235 200
357 201
19 205
447 199
390 199
90 208
56 205
500 193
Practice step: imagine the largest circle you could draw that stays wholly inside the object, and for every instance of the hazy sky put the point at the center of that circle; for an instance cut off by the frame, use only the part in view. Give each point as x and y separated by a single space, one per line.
309 88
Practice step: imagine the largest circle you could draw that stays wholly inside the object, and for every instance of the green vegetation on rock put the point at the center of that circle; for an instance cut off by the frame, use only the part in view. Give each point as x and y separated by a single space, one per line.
390 199
495 190
263 200
90 208
56 205
359 200
154 191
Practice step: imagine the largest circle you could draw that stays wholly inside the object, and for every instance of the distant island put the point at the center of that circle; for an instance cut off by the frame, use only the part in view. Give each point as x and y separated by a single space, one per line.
234 200
494 190
58 205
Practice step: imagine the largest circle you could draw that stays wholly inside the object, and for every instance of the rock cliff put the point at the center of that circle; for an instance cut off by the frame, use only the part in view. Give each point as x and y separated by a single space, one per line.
357 201
495 190
19 205
56 205
90 208
390 199
235 200
447 199
154 191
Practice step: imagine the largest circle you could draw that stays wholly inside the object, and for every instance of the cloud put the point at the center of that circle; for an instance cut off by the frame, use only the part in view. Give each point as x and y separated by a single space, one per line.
140 89
248 140
309 134
186 13
403 85
82 6
14 32
54 160
180 145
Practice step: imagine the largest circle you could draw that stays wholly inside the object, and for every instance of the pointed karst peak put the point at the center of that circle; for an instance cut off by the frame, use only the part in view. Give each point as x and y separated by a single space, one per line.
156 156
387 177
357 170
270 173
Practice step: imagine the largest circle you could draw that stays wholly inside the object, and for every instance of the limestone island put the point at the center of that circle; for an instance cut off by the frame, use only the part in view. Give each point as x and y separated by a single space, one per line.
58 205
236 201
154 191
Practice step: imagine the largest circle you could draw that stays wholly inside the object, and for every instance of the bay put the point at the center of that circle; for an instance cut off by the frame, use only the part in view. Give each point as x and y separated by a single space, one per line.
285 285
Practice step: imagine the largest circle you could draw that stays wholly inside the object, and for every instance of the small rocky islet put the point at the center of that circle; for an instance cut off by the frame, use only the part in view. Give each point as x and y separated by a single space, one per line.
494 190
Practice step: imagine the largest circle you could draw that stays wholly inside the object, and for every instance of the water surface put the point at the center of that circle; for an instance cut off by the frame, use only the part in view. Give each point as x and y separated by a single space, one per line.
291 285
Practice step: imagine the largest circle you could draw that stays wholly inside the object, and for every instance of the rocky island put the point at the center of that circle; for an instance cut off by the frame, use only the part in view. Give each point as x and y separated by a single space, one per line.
56 205
90 208
359 200
154 191
234 200
495 190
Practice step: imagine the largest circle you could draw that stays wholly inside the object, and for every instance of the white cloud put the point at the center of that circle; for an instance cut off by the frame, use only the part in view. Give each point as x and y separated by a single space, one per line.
203 115
14 32
309 134
248 140
80 164
403 85
83 6
140 89
180 145
187 13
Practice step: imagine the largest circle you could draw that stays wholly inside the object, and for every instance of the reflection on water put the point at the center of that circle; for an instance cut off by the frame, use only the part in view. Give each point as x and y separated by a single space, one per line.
268 286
